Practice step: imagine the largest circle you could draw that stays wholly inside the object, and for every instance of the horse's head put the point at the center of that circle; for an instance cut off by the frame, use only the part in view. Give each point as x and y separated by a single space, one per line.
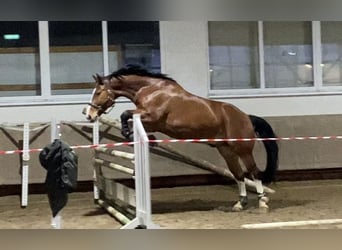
102 99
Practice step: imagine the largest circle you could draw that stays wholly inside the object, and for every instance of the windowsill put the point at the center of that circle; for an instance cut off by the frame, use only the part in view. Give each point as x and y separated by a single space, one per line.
279 92
45 101
213 94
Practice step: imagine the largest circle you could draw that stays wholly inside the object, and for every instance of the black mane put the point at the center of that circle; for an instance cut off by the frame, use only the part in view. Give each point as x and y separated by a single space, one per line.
137 70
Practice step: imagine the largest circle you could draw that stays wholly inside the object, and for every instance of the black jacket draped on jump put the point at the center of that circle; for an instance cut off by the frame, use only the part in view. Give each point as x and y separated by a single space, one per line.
61 162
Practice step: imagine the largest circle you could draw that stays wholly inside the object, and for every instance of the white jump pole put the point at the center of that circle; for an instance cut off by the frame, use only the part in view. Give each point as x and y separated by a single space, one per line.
56 222
122 154
25 165
96 141
115 166
142 178
291 224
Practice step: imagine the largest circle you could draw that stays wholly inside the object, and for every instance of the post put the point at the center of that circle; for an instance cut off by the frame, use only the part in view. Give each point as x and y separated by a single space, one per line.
56 222
25 165
96 141
143 217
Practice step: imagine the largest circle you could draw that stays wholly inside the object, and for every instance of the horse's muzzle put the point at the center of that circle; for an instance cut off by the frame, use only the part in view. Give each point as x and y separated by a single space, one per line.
88 116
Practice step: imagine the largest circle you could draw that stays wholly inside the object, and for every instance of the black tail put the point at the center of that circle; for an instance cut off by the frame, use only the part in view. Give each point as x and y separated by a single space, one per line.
264 130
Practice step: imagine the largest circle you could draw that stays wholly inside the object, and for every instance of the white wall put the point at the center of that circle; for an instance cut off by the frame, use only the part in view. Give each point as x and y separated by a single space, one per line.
46 113
184 48
289 106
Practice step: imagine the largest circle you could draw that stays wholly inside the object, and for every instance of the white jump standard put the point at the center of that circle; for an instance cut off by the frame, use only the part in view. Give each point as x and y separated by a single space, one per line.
126 198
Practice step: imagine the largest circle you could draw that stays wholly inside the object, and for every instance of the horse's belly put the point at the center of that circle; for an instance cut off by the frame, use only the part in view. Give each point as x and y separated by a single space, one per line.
192 121
191 129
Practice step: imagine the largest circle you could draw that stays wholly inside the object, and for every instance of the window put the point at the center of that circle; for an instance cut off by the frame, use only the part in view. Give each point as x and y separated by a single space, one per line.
136 42
233 55
53 62
75 55
274 57
19 59
288 54
331 33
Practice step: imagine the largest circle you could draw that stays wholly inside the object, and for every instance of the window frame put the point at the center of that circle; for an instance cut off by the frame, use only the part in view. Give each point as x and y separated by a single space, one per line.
317 89
46 97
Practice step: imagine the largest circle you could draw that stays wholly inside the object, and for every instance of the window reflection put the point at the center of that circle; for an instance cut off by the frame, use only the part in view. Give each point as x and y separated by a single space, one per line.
75 55
331 33
288 54
138 43
233 55
19 59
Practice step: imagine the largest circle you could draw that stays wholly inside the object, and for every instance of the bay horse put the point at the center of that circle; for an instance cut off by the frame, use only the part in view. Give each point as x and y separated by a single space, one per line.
168 108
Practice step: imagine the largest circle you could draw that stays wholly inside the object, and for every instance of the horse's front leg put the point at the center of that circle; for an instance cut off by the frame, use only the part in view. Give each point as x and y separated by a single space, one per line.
126 131
243 200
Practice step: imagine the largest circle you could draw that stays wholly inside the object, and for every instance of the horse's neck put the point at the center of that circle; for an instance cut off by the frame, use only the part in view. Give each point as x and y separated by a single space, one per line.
130 87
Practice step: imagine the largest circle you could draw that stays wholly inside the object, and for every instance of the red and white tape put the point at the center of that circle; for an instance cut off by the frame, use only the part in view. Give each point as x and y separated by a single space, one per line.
110 145
107 145
252 139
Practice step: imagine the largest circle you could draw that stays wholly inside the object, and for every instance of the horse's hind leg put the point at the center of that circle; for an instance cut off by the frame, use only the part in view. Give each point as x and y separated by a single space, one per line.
254 173
234 166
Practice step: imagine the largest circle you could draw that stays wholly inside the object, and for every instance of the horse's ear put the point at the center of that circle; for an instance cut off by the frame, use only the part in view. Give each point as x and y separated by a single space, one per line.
98 79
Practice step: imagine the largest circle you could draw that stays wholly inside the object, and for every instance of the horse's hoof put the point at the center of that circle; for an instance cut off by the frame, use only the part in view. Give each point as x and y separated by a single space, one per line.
241 204
263 207
128 135
237 207
263 210
264 199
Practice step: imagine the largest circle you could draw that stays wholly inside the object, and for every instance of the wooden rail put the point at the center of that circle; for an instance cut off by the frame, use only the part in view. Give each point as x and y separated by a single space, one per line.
114 166
54 86
59 49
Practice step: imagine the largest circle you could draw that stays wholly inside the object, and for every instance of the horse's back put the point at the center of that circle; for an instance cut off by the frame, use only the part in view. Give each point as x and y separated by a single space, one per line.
184 115
236 122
